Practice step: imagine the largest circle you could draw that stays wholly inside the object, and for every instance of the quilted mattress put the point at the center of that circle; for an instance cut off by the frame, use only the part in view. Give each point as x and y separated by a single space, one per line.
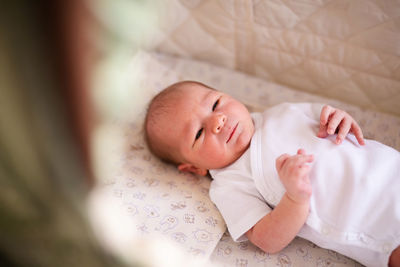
343 49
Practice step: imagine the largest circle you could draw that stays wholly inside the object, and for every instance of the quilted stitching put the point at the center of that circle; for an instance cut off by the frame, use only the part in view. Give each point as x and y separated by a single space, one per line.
348 50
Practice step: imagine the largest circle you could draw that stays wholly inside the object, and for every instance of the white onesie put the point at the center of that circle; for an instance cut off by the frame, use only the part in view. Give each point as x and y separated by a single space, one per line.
355 204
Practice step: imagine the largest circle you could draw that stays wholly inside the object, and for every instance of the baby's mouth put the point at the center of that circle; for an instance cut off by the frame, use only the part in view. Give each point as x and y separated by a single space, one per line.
233 131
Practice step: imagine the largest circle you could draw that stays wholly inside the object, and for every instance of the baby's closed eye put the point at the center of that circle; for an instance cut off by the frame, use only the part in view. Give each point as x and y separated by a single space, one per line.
199 134
215 105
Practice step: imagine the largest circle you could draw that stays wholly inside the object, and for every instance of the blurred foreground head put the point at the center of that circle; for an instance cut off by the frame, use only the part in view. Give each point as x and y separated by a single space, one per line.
44 128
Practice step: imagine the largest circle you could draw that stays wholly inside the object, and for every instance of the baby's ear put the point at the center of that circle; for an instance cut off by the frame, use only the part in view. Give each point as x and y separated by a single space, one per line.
187 167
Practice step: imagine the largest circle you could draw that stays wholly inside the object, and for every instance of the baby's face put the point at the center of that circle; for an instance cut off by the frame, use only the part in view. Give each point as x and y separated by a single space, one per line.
209 129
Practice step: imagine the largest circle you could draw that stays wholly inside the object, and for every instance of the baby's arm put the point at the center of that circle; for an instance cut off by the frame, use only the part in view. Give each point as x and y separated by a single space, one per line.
333 119
279 227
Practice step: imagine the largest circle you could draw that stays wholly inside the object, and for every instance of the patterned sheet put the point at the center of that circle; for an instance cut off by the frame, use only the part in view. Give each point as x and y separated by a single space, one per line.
159 199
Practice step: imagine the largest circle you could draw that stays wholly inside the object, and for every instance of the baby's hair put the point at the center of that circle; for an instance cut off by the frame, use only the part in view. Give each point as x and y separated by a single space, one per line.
160 105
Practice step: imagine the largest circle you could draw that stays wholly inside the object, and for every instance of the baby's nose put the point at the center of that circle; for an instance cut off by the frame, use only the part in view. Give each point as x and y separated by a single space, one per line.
219 122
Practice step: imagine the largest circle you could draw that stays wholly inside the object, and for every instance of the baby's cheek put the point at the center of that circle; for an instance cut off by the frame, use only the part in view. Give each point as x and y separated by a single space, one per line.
215 157
213 154
243 142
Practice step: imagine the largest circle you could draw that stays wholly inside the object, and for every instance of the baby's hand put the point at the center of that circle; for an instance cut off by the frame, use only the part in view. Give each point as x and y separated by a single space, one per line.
332 120
294 174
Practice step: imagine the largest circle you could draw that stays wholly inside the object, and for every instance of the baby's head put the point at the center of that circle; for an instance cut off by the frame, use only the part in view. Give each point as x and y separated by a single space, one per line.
197 128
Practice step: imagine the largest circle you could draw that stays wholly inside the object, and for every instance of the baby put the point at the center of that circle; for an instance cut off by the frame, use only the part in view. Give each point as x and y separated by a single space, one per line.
342 195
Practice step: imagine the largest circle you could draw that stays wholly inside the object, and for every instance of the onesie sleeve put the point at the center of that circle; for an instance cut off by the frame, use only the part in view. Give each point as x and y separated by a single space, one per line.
239 202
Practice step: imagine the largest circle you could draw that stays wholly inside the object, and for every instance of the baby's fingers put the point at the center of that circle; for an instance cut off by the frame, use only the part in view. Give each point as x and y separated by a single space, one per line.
304 157
301 151
280 161
303 170
323 121
343 131
335 121
356 130
301 159
325 113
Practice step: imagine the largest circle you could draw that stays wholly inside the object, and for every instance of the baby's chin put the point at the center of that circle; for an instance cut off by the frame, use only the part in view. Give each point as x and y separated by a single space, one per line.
228 161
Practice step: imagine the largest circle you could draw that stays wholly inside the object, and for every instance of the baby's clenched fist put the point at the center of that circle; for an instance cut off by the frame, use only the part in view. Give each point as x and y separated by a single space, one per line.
294 174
